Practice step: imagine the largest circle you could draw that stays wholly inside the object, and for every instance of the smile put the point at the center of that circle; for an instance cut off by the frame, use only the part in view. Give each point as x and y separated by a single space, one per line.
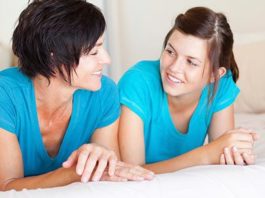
173 79
98 73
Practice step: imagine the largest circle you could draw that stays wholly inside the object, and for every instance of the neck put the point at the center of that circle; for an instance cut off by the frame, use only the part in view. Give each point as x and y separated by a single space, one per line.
51 96
183 103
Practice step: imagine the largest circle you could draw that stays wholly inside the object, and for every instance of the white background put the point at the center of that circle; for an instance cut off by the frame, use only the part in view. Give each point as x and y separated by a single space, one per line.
136 28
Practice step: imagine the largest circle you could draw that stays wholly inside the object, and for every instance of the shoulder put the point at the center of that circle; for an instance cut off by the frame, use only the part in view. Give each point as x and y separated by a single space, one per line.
147 67
13 78
143 73
227 92
107 83
226 85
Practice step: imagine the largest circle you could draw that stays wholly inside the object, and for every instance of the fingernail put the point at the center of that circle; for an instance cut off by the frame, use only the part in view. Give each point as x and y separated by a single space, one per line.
96 178
150 176
235 149
111 173
84 180
139 178
78 171
226 149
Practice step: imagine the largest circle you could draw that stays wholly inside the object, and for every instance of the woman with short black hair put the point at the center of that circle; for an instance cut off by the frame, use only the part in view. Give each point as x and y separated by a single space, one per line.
57 108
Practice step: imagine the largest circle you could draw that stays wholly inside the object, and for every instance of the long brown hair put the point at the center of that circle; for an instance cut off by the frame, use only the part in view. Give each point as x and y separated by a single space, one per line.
206 24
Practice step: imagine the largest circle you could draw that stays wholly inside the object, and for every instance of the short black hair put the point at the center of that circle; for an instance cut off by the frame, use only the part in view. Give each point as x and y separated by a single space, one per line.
51 35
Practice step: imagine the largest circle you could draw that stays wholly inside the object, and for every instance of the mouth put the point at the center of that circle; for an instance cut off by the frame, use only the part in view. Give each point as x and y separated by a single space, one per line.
98 73
173 79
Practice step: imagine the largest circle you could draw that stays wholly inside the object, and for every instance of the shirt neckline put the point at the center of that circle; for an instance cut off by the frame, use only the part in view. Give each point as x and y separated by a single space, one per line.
175 130
38 138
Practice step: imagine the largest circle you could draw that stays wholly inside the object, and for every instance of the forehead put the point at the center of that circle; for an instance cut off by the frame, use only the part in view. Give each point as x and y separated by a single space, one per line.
189 45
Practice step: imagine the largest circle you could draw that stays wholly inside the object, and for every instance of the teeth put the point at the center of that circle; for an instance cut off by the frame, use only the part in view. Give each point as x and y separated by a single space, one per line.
97 73
175 80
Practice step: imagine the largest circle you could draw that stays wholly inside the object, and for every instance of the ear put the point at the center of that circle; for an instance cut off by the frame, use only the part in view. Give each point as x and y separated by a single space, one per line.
221 73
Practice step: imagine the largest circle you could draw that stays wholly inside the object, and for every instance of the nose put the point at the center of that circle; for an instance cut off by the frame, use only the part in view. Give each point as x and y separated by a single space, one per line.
178 65
105 58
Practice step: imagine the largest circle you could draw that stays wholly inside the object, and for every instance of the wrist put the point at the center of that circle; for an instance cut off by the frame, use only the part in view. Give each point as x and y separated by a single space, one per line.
70 174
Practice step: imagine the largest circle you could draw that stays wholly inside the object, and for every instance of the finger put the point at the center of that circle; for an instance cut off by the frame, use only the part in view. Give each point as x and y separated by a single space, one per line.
245 137
134 173
249 159
135 169
146 174
244 145
81 162
248 151
237 157
126 172
89 167
113 178
228 157
222 159
102 164
255 136
71 160
239 129
112 164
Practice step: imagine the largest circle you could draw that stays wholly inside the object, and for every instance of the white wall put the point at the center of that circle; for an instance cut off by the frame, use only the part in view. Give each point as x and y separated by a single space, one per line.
136 28
141 25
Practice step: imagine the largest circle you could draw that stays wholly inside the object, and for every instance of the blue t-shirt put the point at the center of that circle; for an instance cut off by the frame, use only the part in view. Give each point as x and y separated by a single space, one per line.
141 90
18 115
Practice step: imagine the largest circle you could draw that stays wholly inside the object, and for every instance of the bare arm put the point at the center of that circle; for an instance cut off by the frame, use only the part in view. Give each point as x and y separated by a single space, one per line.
131 137
11 169
131 141
108 137
221 122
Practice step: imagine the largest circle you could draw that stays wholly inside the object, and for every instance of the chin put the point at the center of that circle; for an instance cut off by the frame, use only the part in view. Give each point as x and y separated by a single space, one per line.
171 91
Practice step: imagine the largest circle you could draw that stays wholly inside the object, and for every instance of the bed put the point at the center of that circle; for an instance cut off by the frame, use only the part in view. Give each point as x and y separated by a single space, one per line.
201 181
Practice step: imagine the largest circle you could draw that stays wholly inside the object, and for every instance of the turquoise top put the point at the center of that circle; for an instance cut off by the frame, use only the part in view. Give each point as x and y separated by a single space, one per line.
18 115
142 92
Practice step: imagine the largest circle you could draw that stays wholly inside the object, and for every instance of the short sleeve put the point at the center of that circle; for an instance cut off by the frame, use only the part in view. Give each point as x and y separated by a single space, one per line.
134 93
227 92
7 112
110 104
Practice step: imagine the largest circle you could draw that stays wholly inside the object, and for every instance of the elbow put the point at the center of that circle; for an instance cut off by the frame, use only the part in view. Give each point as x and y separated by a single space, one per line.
4 185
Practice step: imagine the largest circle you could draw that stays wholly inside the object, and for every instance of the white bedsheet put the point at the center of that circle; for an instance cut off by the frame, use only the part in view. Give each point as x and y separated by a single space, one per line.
201 181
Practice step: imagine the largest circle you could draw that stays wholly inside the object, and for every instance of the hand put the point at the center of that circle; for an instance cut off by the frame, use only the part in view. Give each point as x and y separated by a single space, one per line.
91 158
125 172
233 157
242 139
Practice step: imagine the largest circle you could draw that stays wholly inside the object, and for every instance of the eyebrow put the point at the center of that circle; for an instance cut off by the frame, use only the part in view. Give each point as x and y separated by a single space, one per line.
191 57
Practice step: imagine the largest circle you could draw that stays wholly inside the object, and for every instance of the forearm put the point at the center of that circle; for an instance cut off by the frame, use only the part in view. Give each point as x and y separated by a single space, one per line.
200 156
59 177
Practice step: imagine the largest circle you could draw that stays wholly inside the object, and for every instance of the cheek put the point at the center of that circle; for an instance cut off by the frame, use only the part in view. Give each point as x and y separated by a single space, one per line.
164 64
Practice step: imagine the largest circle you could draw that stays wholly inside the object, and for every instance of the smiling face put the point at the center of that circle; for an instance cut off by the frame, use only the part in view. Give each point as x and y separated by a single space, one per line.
184 65
88 73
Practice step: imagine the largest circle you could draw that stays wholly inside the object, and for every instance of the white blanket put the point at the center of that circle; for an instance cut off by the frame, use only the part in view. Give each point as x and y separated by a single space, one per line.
201 181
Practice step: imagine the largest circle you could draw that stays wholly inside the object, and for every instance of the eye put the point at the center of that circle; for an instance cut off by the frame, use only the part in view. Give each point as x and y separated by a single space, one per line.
94 53
190 62
170 52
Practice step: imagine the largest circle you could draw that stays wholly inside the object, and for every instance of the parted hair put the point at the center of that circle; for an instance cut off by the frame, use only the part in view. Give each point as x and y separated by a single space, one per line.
206 24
